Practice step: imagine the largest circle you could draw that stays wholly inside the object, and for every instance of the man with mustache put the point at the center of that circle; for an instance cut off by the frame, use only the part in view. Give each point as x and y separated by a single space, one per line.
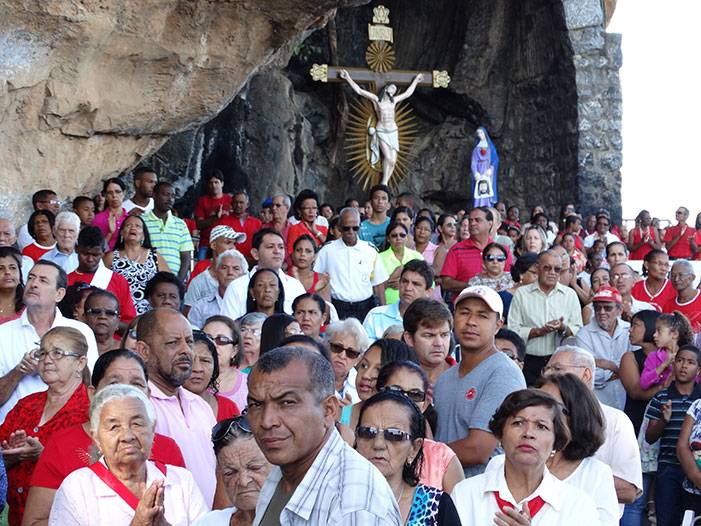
164 341
317 478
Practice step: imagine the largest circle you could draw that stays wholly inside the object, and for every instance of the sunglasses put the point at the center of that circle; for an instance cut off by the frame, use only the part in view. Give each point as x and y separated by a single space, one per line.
415 395
349 228
100 312
350 352
390 434
223 429
494 258
400 235
221 340
605 308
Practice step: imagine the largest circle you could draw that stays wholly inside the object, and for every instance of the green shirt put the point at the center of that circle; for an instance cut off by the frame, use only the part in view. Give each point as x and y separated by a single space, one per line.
390 263
169 238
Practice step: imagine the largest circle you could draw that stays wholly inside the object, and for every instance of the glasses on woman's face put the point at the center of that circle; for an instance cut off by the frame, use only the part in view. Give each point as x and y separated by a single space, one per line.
99 312
224 428
491 258
397 235
253 331
351 353
221 340
55 354
415 395
390 434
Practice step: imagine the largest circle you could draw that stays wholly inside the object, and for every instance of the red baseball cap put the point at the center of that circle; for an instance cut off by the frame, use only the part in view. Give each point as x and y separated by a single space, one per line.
607 293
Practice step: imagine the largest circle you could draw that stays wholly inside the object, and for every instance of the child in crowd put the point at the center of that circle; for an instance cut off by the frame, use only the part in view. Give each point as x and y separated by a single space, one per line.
666 412
672 331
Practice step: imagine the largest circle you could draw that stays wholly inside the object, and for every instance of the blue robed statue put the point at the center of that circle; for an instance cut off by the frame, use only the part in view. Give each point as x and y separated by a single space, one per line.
484 165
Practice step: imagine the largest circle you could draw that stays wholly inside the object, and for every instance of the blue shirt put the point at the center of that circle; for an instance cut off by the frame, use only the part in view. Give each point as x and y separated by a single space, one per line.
67 262
373 233
380 318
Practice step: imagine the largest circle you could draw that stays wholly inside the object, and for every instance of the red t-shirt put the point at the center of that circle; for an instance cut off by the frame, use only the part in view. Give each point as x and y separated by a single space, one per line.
690 309
641 252
697 239
118 286
205 207
35 250
72 448
681 249
250 226
464 260
27 415
298 230
226 408
641 293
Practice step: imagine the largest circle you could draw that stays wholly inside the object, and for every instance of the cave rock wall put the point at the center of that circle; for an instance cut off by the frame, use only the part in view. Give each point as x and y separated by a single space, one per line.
542 75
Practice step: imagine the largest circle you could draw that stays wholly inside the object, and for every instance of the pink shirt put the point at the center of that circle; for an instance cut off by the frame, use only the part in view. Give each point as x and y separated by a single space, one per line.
188 419
83 499
649 376
437 457
239 394
102 222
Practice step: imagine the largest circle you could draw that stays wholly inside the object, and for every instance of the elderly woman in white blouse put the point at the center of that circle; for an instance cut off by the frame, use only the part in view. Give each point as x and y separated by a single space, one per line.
531 427
123 487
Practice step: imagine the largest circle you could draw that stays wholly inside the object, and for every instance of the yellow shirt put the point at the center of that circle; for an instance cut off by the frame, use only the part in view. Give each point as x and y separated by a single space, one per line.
390 263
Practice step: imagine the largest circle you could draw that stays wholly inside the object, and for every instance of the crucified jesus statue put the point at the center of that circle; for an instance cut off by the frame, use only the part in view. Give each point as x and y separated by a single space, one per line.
385 136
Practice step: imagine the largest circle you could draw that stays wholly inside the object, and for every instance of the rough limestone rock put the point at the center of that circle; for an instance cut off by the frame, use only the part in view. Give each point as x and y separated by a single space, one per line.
89 87
542 75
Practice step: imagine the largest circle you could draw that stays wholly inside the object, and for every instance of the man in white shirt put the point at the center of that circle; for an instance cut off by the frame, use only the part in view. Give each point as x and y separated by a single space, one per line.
415 281
45 287
620 449
66 228
606 338
269 251
356 273
145 180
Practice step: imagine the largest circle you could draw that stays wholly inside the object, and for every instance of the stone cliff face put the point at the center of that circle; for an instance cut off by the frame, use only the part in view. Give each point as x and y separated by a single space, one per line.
542 75
89 87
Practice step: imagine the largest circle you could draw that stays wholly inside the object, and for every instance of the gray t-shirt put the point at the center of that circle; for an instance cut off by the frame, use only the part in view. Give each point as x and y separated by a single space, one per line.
275 507
471 401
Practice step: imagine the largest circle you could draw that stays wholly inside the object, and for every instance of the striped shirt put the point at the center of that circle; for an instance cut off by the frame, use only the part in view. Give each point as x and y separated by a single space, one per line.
340 488
680 406
169 238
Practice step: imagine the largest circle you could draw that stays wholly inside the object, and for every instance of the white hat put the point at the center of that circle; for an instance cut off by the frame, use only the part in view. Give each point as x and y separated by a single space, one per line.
486 294
228 233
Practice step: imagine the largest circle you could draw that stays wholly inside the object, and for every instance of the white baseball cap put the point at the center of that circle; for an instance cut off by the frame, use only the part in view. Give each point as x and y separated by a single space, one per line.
228 233
486 294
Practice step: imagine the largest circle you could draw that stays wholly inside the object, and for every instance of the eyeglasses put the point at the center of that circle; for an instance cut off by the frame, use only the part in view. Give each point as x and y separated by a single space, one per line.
220 340
250 330
415 395
100 312
55 354
350 352
354 228
390 434
547 269
673 276
622 275
559 368
602 307
494 258
224 428
278 205
400 235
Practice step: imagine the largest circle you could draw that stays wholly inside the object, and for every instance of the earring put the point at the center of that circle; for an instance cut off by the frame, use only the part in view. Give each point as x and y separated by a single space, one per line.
552 453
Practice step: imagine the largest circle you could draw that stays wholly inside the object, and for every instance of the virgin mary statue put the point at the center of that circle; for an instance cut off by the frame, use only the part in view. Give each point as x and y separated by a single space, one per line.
485 164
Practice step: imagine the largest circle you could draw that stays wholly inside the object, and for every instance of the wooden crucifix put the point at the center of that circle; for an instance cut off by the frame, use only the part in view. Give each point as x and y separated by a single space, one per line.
384 137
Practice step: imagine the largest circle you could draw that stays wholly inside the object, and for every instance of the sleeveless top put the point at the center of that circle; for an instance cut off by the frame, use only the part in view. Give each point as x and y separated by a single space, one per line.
137 275
635 409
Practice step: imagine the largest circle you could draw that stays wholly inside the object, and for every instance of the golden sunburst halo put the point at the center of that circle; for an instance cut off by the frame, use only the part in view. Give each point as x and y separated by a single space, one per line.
361 116
380 56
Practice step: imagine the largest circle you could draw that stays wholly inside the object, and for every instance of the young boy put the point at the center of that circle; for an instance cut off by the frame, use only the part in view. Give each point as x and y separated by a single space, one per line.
666 412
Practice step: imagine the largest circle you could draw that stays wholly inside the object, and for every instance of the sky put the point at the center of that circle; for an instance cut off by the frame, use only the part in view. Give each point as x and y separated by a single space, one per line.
661 83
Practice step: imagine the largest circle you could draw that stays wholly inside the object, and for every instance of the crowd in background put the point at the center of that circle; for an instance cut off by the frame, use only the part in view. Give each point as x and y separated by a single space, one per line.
370 363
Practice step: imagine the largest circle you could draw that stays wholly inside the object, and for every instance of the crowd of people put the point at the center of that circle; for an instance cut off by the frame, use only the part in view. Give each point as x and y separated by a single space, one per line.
375 364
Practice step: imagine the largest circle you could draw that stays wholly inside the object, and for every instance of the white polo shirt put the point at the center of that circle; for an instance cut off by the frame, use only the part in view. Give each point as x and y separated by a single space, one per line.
474 498
17 337
234 303
353 271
